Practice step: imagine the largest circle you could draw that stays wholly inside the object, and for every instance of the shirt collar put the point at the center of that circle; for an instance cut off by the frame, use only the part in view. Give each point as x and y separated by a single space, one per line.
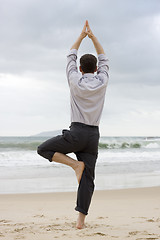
88 75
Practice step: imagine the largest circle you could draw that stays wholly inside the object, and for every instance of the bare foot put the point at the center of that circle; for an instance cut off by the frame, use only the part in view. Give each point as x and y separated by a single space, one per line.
79 170
80 226
80 221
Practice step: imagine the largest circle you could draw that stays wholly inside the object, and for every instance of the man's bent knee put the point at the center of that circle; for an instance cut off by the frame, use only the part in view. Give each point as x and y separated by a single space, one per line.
45 153
40 151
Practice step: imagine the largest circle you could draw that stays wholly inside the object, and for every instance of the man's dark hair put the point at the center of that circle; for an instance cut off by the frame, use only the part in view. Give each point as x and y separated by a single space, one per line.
88 63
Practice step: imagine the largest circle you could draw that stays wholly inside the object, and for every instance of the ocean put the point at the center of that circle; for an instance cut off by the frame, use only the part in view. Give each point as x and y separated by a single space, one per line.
123 162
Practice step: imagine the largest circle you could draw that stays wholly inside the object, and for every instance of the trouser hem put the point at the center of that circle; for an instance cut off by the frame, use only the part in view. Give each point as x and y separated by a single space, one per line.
46 154
81 210
50 158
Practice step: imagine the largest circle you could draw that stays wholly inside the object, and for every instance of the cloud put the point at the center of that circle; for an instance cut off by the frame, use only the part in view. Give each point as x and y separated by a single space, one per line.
35 38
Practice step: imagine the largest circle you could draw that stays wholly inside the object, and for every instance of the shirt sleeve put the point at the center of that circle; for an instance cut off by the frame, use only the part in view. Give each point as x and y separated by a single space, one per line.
71 64
103 68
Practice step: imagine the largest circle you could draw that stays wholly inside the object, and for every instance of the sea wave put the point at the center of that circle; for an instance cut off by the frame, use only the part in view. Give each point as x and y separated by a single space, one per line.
131 145
129 142
119 145
20 146
105 143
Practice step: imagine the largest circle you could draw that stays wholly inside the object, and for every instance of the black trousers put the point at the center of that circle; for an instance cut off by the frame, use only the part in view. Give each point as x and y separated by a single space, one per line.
82 140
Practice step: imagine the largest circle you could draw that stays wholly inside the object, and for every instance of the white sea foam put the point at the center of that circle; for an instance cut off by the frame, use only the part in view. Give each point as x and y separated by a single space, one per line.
128 156
153 145
31 158
121 157
21 158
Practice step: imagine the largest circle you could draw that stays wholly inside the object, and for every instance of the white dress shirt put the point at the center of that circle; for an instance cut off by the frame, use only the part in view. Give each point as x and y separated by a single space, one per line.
87 91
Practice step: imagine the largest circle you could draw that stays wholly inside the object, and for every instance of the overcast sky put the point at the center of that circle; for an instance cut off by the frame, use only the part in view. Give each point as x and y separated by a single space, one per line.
35 37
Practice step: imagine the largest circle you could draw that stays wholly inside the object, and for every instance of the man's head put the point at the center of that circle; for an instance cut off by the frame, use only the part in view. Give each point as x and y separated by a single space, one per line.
88 63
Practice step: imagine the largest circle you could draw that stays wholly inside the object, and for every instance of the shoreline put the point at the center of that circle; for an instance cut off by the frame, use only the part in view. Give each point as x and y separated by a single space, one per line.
122 214
74 192
35 180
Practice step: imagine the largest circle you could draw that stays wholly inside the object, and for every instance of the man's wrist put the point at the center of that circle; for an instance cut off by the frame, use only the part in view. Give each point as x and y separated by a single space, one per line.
81 37
93 38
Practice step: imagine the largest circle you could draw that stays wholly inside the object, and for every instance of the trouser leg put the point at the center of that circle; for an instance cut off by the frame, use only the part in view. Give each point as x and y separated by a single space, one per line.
83 141
62 143
86 186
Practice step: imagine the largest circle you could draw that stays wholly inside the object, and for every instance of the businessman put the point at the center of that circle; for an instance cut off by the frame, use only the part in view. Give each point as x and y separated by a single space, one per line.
87 94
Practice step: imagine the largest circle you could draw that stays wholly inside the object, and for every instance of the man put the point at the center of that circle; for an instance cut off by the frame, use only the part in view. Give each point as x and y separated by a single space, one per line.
87 93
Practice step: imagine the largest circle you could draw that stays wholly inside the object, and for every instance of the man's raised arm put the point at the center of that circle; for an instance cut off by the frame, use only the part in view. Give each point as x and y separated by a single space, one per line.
80 38
72 56
97 45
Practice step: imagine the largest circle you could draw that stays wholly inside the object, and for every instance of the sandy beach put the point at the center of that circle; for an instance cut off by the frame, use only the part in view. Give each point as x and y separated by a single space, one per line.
114 214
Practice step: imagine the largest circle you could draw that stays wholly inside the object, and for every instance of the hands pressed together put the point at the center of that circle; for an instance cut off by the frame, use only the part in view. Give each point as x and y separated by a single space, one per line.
86 31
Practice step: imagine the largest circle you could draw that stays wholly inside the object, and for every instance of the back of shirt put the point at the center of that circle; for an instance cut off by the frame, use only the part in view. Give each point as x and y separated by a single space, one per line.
87 91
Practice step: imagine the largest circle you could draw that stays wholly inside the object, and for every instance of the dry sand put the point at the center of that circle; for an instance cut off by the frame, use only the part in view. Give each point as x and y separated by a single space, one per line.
114 214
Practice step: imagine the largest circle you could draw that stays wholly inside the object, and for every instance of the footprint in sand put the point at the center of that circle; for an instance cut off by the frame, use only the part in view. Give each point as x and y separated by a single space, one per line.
93 234
5 221
39 216
150 238
138 232
153 220
20 237
150 220
134 233
100 218
19 229
100 234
